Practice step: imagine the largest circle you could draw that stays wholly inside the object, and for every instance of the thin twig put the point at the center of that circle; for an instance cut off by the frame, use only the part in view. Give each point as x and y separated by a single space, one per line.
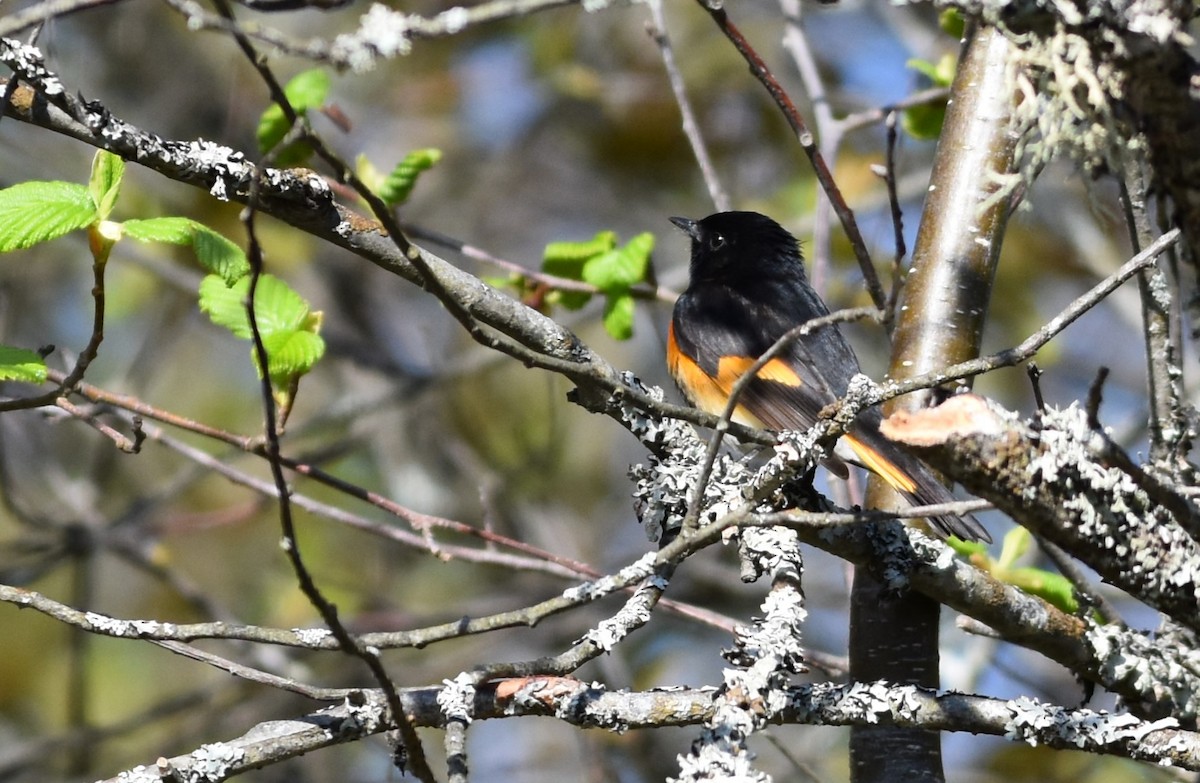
44 12
808 144
128 445
829 134
553 564
657 28
255 675
414 754
889 177
553 282
1032 344
1164 372
871 116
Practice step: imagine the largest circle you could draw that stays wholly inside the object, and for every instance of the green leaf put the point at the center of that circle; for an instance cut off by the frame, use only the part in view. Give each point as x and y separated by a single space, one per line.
307 90
367 171
952 22
226 304
35 212
623 267
1054 588
924 122
565 259
277 308
105 182
400 182
291 353
172 230
1016 543
21 364
940 73
571 300
290 331
599 262
618 316
218 255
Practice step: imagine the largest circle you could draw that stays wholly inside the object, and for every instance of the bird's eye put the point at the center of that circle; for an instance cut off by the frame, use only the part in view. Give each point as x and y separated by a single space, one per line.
716 241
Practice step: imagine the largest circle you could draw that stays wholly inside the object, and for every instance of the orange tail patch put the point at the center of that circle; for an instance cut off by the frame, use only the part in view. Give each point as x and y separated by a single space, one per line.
880 465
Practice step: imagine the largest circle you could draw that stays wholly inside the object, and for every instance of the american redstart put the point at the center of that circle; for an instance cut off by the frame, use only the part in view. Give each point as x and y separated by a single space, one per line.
747 289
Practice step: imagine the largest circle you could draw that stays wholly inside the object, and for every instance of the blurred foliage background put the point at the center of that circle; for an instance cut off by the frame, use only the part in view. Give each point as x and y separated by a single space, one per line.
552 127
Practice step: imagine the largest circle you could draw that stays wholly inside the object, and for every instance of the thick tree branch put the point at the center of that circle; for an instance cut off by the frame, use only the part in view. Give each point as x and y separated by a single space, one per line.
592 706
1069 484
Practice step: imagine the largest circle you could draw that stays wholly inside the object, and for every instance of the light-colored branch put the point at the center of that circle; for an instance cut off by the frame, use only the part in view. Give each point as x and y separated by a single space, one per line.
592 706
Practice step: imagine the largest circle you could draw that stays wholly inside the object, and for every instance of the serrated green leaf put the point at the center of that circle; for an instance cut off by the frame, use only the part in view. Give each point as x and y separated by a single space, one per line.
307 90
402 179
226 304
289 329
218 255
618 316
291 353
571 255
35 212
172 230
21 364
623 267
568 268
105 182
277 308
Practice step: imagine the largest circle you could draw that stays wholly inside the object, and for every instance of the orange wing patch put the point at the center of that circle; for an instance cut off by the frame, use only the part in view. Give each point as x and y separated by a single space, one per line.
705 392
878 464
733 367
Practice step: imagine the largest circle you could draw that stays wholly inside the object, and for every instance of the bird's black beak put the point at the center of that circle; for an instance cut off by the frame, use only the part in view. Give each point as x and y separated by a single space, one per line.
688 226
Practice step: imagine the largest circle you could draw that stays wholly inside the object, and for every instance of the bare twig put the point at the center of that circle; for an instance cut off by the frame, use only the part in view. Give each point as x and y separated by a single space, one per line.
1032 344
128 445
254 675
45 11
889 177
808 144
414 754
657 28
829 133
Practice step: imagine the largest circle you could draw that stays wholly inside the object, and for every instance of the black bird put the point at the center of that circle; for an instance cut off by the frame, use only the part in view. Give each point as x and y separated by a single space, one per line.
747 289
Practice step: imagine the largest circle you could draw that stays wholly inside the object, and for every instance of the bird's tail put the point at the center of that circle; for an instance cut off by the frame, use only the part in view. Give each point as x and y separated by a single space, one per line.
917 483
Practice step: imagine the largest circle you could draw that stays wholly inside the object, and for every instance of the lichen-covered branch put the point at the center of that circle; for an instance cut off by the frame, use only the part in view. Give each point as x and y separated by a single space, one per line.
593 706
1067 482
764 655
